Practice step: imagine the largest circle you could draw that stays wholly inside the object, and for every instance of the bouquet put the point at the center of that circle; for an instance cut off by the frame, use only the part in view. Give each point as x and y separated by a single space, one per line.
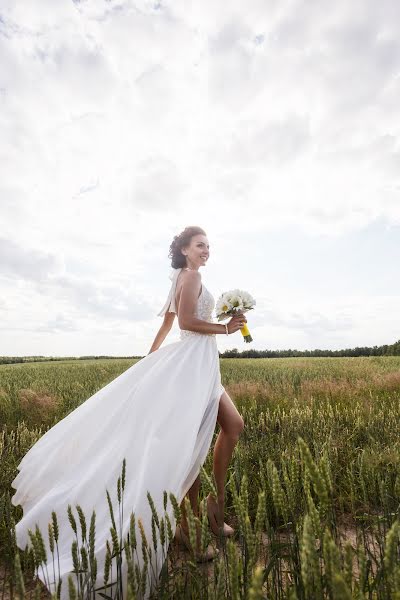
230 303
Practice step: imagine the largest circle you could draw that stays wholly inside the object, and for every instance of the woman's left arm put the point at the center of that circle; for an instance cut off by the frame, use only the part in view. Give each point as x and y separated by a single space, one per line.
163 331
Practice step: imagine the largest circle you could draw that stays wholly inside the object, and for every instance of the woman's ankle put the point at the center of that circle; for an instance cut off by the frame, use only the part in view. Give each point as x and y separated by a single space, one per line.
184 525
220 498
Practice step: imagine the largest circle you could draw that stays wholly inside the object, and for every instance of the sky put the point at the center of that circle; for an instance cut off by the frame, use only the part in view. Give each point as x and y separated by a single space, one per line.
273 125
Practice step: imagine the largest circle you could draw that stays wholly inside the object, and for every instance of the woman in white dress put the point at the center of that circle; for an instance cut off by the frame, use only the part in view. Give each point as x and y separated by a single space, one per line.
159 415
189 251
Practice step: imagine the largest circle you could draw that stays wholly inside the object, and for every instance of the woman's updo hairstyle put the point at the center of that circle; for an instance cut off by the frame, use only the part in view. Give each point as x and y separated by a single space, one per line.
178 260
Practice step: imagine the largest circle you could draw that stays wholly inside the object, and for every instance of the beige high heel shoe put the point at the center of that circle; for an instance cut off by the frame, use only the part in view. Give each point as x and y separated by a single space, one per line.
182 537
212 505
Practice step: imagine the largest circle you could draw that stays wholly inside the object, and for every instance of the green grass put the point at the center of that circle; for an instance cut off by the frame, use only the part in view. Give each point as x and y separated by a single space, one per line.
313 488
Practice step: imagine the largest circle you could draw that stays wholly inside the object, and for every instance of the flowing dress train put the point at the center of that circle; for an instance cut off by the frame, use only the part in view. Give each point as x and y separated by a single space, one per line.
160 415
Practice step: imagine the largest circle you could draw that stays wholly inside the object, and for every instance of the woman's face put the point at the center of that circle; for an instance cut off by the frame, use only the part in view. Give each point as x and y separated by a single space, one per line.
198 252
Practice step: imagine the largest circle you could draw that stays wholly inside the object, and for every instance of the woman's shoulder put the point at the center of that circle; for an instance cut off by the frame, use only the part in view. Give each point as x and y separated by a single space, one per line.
191 273
190 277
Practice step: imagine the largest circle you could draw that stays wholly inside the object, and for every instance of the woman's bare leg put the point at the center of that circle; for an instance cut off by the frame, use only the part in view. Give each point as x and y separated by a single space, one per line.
193 494
232 424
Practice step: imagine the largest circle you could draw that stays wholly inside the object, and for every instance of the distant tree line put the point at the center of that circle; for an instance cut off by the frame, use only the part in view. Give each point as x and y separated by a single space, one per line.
385 350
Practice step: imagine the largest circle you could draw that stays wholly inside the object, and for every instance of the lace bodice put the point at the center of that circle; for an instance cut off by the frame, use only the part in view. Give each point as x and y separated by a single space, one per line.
205 305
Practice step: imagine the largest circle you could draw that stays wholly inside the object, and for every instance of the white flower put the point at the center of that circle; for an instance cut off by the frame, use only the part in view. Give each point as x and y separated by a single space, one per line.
233 300
223 305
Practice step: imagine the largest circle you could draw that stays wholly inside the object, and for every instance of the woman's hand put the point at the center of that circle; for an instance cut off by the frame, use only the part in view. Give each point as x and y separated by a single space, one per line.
236 322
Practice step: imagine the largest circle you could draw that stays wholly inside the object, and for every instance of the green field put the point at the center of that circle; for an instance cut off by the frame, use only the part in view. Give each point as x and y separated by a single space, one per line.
313 489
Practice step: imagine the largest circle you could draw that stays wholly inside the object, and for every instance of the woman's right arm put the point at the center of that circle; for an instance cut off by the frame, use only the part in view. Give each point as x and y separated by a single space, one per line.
163 331
187 307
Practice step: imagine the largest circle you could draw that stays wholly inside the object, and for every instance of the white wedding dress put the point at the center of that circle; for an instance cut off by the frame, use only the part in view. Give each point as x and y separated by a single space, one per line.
160 414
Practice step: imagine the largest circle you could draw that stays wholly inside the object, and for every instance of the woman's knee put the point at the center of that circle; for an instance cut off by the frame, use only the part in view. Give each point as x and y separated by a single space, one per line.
235 429
241 424
230 420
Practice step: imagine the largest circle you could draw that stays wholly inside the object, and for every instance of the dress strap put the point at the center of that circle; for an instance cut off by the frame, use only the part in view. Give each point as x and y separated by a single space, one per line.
171 296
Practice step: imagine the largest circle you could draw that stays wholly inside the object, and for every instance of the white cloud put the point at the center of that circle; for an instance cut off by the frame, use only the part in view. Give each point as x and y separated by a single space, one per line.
123 122
18 262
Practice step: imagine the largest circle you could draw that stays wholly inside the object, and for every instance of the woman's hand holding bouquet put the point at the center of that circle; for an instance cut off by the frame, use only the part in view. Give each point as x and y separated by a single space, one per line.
234 304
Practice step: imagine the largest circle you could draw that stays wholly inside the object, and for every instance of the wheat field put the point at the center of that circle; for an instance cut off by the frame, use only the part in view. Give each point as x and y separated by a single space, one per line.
313 488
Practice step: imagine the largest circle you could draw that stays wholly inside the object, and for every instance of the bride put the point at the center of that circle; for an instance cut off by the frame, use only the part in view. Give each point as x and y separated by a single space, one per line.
189 251
159 415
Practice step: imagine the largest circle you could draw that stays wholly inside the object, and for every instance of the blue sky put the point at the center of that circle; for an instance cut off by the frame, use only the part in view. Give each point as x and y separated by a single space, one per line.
274 126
